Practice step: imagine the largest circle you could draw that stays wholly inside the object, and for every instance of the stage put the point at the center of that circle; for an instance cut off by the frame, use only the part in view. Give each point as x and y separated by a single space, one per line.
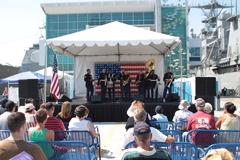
116 111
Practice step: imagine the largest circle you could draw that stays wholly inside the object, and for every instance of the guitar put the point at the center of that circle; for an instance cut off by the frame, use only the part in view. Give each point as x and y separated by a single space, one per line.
125 82
168 82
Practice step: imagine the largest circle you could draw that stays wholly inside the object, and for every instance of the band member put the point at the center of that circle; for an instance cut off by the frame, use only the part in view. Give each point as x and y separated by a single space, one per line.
121 82
154 79
140 83
102 81
111 85
168 79
147 84
125 79
89 84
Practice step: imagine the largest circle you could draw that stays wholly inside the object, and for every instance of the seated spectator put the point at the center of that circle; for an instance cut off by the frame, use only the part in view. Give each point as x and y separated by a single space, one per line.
201 120
229 120
15 145
136 105
80 123
66 113
40 133
10 108
160 117
218 154
143 136
30 115
54 123
208 108
140 116
182 115
42 106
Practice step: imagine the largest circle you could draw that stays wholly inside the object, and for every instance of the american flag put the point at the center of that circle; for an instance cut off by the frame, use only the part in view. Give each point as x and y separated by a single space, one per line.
54 89
132 68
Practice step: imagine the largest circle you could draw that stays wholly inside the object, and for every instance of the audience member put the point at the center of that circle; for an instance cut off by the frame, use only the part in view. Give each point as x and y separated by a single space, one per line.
140 116
42 106
159 116
143 136
229 120
80 123
208 108
10 108
66 113
30 115
40 133
201 120
218 154
182 115
136 105
54 123
15 145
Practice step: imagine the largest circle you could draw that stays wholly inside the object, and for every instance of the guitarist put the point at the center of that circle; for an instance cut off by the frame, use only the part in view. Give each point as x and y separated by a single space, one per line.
89 84
126 85
154 79
102 81
168 79
111 85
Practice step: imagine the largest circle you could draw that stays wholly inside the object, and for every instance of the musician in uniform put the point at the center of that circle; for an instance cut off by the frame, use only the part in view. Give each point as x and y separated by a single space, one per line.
111 85
126 85
89 84
168 79
121 82
154 79
147 84
140 83
102 81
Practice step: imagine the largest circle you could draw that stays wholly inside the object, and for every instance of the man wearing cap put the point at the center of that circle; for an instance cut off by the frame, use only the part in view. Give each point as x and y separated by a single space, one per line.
143 136
201 120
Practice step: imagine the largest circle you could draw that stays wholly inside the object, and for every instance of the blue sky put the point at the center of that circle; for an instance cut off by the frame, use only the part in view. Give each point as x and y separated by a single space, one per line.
20 22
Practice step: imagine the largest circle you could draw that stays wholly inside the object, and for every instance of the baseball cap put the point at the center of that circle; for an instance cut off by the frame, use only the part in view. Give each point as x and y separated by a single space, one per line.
29 107
141 128
199 102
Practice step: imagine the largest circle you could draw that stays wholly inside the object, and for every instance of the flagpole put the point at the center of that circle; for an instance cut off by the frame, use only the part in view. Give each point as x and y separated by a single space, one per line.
45 75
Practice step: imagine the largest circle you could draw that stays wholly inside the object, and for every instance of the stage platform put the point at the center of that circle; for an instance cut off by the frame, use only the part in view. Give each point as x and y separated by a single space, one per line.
117 111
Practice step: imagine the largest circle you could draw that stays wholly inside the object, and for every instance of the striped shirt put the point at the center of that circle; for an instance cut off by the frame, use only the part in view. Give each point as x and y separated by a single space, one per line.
54 123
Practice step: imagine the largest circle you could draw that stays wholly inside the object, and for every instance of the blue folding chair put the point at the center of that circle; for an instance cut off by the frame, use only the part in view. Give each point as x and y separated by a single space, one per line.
4 134
73 150
174 133
162 125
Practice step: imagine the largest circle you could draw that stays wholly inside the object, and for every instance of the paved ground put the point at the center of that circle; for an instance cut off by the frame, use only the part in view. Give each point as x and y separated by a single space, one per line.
112 133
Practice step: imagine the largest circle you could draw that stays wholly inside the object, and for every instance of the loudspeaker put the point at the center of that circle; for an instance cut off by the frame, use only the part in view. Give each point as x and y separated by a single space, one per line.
64 98
28 88
205 86
174 97
96 99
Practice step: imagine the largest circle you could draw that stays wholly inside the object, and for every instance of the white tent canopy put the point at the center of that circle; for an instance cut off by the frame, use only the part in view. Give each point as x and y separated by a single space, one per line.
112 43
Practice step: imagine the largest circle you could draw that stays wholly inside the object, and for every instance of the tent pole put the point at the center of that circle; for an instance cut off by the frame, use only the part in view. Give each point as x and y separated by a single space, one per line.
118 52
181 67
63 72
45 75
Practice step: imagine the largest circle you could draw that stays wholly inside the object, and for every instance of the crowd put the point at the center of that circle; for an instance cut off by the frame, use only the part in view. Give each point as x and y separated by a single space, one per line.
42 125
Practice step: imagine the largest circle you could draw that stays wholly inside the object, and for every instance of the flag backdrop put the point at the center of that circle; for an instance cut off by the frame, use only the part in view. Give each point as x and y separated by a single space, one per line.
54 89
132 68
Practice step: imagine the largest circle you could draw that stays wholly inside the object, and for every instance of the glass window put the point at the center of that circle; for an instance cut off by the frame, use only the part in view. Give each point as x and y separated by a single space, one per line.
138 22
72 30
82 17
82 25
105 16
63 26
52 26
72 25
63 18
93 23
128 16
195 51
138 16
148 15
52 34
72 17
93 17
52 18
117 16
62 32
194 58
148 21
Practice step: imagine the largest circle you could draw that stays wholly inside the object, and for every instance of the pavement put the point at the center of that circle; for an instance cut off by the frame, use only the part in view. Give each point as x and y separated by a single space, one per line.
112 133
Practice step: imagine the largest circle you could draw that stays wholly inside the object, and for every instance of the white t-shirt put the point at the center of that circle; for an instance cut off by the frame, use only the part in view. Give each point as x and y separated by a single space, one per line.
3 120
77 124
156 136
181 115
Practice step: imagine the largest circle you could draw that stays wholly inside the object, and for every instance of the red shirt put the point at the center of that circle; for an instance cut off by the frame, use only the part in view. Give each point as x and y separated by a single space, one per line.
54 123
201 119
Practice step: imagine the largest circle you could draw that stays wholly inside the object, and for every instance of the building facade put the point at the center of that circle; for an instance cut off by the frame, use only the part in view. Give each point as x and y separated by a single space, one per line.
66 18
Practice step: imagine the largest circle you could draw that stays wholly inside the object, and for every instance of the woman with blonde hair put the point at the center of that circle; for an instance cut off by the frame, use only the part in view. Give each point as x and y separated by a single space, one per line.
218 154
66 113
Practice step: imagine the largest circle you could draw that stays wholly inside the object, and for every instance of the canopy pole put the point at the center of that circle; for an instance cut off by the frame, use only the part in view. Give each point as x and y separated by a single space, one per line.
181 68
118 52
63 72
45 76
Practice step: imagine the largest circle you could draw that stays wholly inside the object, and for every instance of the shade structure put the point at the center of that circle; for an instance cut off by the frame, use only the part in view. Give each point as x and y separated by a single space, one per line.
114 39
114 42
